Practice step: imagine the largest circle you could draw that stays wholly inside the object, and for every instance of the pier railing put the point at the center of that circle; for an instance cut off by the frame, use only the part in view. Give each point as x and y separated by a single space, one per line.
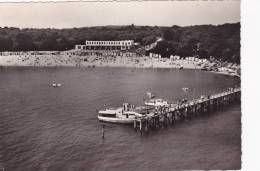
164 116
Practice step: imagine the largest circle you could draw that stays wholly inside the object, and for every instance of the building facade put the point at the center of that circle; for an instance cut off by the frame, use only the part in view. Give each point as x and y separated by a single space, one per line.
106 45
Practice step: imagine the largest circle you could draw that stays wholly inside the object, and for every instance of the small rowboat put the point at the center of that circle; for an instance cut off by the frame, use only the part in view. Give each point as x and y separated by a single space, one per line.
56 85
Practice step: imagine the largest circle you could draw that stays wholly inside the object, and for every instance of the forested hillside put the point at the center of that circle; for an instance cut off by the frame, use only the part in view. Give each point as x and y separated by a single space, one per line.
221 42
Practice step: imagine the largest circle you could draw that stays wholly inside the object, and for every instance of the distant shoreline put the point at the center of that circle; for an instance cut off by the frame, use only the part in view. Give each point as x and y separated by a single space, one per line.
92 61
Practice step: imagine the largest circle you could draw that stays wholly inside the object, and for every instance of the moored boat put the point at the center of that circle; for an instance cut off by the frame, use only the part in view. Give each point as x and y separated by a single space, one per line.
125 114
156 102
118 115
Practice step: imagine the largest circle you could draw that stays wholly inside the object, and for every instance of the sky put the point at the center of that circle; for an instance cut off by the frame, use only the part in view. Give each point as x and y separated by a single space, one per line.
85 14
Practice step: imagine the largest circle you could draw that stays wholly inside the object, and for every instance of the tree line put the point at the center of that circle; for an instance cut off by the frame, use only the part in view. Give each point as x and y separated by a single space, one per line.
221 42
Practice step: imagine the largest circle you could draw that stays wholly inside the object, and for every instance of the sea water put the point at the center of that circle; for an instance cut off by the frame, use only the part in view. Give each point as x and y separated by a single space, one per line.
47 128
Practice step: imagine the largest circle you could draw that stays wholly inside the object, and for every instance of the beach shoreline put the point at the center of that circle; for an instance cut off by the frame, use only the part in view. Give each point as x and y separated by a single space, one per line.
92 61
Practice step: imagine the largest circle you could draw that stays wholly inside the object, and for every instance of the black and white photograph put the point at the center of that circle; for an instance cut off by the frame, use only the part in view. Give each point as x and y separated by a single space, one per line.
120 85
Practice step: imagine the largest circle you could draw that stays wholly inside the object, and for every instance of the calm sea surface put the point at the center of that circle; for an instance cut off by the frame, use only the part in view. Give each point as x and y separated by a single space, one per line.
46 128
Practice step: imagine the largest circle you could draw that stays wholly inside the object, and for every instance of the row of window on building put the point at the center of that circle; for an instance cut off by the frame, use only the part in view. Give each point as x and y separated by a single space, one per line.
86 47
110 43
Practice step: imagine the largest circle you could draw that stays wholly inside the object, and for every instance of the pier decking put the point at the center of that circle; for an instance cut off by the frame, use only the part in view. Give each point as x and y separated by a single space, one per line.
166 116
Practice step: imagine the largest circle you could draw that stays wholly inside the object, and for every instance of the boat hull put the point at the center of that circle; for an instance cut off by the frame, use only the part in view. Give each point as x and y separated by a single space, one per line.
116 120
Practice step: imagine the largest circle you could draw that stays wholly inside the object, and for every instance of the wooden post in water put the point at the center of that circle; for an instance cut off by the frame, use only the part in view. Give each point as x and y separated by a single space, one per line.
157 121
208 106
146 125
178 114
165 119
173 113
189 111
103 131
135 124
141 126
153 122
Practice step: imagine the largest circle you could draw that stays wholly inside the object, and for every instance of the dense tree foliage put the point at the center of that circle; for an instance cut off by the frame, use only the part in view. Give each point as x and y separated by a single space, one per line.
221 42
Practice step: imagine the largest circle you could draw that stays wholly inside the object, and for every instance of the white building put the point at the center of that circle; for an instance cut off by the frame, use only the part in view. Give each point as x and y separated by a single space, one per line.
174 57
106 45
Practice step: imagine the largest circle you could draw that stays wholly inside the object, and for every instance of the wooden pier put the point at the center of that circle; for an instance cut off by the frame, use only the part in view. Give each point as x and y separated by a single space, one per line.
166 116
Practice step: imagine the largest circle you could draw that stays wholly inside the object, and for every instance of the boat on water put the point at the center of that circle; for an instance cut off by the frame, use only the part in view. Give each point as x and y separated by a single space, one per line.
56 85
126 114
156 102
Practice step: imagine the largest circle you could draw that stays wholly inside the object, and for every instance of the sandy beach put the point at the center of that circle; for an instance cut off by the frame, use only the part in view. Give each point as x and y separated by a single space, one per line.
56 60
